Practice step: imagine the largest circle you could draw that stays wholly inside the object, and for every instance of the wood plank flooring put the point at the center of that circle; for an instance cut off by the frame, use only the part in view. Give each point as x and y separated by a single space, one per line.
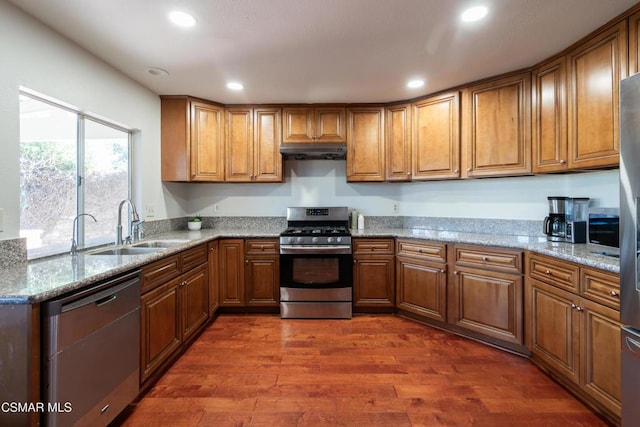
380 370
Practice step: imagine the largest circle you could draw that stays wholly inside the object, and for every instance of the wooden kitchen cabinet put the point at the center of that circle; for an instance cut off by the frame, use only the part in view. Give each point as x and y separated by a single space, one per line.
421 279
262 273
398 142
214 280
436 137
365 144
486 292
496 127
231 278
313 124
174 306
594 71
549 116
634 43
192 140
252 145
373 275
571 334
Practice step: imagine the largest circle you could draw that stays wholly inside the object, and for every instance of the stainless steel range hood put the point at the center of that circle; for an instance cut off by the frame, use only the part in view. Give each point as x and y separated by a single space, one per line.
313 151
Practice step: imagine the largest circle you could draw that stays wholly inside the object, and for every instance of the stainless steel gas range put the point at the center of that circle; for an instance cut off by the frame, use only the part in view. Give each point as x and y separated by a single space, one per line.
316 264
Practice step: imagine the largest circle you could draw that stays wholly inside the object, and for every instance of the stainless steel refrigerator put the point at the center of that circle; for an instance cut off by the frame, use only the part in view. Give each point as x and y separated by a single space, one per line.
630 248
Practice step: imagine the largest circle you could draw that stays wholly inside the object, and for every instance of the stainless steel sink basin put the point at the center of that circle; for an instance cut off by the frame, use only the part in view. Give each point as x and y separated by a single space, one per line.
128 250
159 244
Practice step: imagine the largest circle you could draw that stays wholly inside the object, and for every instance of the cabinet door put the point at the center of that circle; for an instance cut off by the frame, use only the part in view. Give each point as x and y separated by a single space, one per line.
231 273
373 281
297 124
601 355
398 142
160 327
421 288
175 138
207 142
239 145
436 137
549 117
634 43
365 144
194 303
553 328
267 162
214 287
497 127
329 124
262 277
487 302
594 71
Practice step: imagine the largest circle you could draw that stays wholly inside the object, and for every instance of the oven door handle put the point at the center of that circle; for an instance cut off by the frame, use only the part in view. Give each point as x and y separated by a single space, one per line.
322 250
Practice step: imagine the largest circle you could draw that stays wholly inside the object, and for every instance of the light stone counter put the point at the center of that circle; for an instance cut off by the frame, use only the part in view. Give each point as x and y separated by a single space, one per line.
41 280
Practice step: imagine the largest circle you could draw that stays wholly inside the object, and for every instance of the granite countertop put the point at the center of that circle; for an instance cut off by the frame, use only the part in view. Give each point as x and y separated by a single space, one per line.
48 278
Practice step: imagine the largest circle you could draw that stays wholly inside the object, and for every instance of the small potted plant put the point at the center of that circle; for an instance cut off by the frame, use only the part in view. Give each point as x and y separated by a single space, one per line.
195 223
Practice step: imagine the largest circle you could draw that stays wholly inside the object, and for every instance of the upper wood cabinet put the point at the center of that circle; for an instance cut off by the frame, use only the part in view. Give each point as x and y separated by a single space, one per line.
634 43
496 131
594 71
549 117
253 140
436 137
365 144
313 124
192 140
398 142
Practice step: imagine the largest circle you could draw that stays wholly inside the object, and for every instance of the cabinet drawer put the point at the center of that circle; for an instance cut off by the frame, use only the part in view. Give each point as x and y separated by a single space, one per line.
487 258
422 250
373 246
562 274
160 272
262 247
600 286
193 257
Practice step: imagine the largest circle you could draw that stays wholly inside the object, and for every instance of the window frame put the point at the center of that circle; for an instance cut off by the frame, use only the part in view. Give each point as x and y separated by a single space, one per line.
81 118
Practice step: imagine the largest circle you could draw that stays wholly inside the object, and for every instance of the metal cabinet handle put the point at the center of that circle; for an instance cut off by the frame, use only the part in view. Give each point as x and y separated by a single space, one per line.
442 270
455 272
355 261
484 258
573 305
548 272
580 308
562 162
614 293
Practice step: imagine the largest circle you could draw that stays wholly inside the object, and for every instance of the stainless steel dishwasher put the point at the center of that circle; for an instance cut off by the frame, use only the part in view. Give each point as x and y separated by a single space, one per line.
92 353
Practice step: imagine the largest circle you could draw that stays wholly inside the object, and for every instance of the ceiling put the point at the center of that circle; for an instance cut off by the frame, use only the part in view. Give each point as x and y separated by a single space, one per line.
320 50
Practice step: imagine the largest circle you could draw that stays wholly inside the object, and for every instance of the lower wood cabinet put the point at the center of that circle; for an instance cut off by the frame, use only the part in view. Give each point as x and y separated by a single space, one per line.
174 306
421 279
373 275
573 337
249 273
262 273
214 282
486 292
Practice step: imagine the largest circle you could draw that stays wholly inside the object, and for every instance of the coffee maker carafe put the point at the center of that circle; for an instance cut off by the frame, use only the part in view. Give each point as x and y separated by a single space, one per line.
567 220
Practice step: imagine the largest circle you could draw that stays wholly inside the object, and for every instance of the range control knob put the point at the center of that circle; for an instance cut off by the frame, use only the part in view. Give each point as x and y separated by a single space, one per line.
338 239
330 239
314 240
299 239
289 240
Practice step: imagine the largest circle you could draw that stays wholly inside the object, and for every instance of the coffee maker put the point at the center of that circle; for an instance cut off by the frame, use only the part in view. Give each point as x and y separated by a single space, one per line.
567 220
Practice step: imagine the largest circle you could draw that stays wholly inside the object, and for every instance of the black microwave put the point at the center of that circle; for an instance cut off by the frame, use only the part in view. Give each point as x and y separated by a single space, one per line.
603 231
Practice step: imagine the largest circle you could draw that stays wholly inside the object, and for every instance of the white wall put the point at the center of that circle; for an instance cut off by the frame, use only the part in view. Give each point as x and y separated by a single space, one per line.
323 182
37 58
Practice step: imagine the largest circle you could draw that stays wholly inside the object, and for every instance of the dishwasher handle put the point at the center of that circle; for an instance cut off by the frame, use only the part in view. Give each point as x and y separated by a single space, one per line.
99 295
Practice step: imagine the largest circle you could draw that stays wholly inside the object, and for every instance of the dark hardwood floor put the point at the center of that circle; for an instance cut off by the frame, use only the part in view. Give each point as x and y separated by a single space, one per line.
377 370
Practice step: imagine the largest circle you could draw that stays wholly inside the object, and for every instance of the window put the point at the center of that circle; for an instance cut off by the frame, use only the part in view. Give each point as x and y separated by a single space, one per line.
70 163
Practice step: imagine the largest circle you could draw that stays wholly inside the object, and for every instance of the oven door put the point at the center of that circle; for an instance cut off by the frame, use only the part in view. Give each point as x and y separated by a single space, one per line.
313 270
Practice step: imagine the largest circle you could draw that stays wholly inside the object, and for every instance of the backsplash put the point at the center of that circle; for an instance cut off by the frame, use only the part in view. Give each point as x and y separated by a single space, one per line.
13 252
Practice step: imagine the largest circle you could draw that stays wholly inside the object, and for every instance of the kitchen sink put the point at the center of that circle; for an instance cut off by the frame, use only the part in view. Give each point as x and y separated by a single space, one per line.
127 250
159 244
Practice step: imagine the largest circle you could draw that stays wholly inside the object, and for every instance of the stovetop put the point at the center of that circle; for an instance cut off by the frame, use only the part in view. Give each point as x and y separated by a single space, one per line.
316 227
311 230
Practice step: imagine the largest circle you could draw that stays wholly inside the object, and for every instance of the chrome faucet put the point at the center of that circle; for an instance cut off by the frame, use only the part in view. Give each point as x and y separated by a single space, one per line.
74 237
135 219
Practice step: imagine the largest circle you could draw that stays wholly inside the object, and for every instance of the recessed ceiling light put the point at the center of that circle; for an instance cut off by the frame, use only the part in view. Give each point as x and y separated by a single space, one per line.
475 13
415 83
182 19
235 86
158 72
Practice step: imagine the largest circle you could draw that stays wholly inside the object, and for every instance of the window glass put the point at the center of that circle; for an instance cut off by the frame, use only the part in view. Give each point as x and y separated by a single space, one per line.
69 164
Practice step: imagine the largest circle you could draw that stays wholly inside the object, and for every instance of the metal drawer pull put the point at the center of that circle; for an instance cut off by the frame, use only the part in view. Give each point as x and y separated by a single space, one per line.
614 294
548 272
